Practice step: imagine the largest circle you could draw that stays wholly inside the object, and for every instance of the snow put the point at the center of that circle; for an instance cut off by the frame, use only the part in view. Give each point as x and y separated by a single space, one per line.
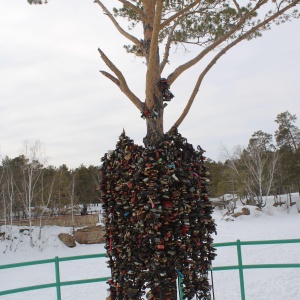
272 223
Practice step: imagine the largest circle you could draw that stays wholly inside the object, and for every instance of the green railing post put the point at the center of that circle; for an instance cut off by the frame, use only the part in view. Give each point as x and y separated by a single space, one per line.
179 281
180 288
57 277
241 273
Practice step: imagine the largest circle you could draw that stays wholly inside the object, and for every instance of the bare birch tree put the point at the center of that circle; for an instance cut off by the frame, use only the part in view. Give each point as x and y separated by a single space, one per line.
8 193
45 199
31 172
255 165
72 198
11 206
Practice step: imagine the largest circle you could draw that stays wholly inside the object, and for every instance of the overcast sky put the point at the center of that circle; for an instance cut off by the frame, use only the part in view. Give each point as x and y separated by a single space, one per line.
51 89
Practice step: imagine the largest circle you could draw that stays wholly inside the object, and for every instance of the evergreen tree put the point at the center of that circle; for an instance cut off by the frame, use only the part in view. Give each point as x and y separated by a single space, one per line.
288 140
222 179
12 188
62 182
287 178
262 140
86 186
288 134
46 191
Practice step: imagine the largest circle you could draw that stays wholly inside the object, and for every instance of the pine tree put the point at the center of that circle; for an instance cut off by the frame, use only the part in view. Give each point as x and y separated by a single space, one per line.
288 134
158 215
288 140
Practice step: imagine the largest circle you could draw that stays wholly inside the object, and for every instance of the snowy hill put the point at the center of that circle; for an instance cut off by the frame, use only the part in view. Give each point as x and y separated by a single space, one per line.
260 284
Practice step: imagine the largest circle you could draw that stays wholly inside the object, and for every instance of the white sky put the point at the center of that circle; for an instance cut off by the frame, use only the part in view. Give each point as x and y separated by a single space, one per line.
51 89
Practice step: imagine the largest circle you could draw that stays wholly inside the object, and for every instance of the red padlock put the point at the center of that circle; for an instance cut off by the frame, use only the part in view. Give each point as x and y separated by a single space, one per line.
183 230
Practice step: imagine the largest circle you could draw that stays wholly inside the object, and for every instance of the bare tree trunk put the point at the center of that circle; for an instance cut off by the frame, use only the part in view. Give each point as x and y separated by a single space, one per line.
32 171
72 198
155 130
45 205
154 100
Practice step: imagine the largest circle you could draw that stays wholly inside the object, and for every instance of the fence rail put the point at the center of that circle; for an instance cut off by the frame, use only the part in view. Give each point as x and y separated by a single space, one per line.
58 283
242 267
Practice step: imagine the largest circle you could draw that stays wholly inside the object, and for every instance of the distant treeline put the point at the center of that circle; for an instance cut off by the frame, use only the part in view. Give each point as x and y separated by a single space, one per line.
261 168
28 187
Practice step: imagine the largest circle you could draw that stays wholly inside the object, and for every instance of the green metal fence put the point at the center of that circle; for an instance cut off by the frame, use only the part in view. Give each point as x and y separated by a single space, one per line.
240 267
58 283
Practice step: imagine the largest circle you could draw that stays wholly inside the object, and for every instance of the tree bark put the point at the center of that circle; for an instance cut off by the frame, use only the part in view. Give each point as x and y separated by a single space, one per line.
155 130
153 101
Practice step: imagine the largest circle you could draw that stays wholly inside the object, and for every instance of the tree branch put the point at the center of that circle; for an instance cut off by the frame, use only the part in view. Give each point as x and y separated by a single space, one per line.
178 14
179 70
220 54
196 90
167 48
120 80
134 8
153 53
238 8
111 77
119 28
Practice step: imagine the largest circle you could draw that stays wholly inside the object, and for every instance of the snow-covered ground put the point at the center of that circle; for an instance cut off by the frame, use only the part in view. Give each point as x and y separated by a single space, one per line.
260 284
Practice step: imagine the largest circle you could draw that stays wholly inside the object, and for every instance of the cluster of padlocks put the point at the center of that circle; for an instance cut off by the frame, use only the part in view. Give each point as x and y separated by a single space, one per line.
167 95
158 220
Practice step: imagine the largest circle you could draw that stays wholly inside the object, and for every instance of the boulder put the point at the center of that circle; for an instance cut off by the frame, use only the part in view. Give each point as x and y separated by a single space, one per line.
67 239
90 235
2 236
245 211
237 214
